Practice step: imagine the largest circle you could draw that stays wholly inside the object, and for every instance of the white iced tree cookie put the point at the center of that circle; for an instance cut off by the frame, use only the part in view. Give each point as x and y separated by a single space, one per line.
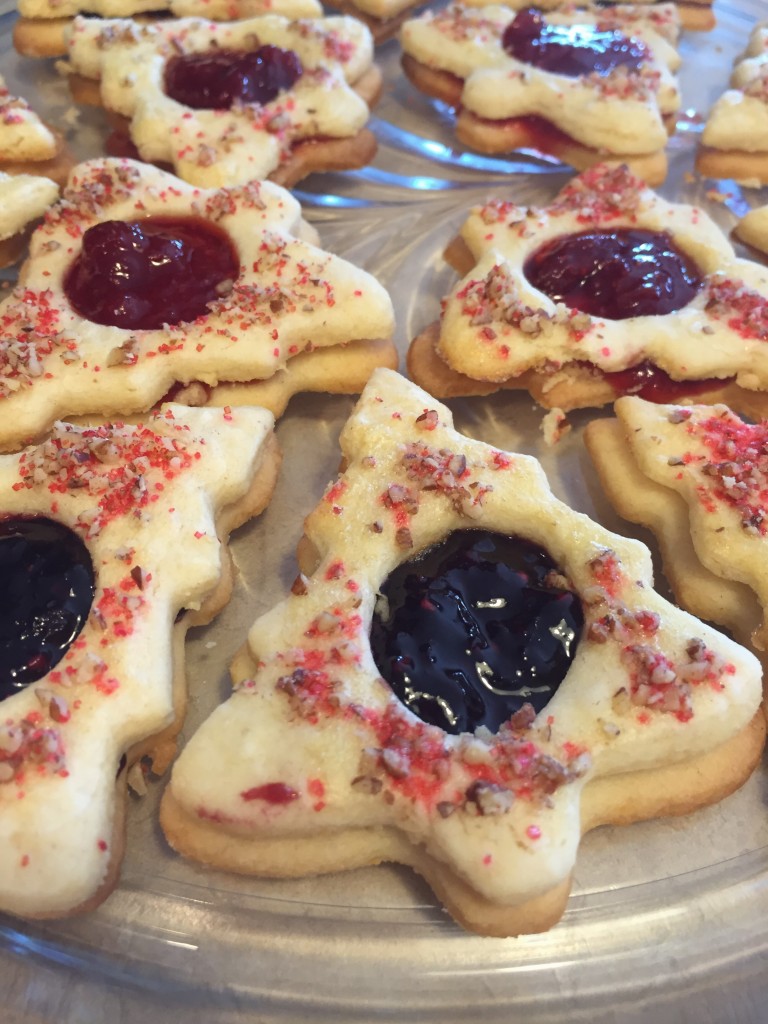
226 103
580 85
698 477
607 290
95 606
734 143
315 763
240 296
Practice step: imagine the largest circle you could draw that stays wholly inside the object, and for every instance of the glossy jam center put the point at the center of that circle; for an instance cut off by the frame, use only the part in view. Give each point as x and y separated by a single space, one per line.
140 275
218 79
48 587
618 274
570 50
475 628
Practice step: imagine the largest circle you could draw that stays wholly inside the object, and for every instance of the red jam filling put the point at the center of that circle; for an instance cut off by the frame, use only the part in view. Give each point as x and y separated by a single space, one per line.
615 274
141 275
476 627
654 385
48 587
570 50
218 79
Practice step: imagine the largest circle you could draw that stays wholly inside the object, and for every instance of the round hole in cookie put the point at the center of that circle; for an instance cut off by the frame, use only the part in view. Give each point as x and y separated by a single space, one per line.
143 274
217 79
570 50
48 588
627 272
474 628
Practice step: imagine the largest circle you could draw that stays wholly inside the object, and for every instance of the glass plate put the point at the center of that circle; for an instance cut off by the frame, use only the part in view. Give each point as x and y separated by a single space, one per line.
668 921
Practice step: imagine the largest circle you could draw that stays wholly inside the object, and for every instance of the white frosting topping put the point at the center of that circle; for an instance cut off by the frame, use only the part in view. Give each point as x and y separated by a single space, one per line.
739 119
226 147
620 113
23 136
215 10
142 495
290 296
496 325
314 717
23 198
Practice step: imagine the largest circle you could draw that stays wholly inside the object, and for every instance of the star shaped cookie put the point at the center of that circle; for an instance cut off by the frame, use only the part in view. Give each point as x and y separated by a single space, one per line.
27 146
691 14
315 79
280 307
42 27
320 766
734 143
698 477
499 330
98 516
514 92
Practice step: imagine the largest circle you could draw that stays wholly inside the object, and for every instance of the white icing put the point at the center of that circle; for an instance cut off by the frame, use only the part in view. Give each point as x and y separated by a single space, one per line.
258 736
323 301
56 841
603 113
226 147
690 343
23 198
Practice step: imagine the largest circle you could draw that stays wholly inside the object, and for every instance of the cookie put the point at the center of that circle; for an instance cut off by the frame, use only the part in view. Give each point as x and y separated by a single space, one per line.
138 283
384 18
583 86
96 606
752 229
562 301
27 146
298 101
691 14
23 199
478 769
41 30
734 143
697 476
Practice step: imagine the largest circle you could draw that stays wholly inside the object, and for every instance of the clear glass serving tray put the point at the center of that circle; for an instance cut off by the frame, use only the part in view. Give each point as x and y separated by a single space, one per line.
668 921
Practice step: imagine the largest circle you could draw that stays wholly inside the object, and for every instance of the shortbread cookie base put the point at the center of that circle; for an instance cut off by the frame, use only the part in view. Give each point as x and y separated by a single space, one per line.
696 17
498 137
571 387
641 500
749 169
636 796
382 29
37 37
12 249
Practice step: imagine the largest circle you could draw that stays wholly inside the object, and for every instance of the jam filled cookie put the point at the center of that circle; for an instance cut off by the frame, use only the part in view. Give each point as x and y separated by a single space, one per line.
697 476
95 606
23 198
582 86
41 30
609 290
734 143
138 283
467 675
690 14
226 103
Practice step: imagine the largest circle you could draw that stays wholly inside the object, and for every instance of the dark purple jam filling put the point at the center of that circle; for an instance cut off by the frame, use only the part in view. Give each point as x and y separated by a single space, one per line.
45 599
570 50
654 385
476 627
220 78
615 274
140 275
